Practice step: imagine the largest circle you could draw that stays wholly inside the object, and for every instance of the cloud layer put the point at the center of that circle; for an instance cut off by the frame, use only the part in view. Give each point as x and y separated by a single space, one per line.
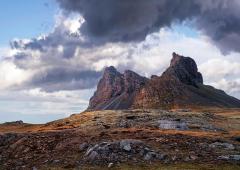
133 20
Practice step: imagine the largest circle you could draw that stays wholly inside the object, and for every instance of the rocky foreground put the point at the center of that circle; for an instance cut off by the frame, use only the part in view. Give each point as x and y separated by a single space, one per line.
126 139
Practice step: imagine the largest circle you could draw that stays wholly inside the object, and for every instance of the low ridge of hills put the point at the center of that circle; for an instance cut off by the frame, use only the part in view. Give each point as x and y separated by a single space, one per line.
180 86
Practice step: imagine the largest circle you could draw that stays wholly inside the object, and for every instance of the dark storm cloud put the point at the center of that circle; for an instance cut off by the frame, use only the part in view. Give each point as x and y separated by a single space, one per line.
56 79
220 20
127 20
50 57
52 40
132 20
60 36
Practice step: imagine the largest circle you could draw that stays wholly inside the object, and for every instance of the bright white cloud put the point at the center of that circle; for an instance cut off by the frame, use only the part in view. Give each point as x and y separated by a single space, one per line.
218 68
37 102
11 75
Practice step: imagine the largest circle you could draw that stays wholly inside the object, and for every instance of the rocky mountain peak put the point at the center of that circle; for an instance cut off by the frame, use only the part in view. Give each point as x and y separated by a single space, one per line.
175 59
185 69
116 89
133 81
110 72
110 69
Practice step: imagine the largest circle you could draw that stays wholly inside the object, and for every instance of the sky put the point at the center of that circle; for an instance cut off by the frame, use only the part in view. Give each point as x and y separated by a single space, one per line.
25 19
53 52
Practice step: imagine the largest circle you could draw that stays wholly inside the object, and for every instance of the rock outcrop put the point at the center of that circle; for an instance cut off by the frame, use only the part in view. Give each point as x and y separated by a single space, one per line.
180 86
116 90
18 122
185 69
121 151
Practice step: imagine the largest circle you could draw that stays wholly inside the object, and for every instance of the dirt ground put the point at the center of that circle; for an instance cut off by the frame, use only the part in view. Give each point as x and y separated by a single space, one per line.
152 139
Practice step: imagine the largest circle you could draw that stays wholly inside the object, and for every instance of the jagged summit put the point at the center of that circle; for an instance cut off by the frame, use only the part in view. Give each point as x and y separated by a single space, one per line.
185 69
180 86
116 90
176 59
110 70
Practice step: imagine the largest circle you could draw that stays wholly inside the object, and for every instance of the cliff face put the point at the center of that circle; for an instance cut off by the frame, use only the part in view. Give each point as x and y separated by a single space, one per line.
116 90
180 86
185 69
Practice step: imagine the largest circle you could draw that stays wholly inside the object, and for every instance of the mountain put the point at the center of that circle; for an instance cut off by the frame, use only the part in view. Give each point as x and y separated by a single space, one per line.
116 90
180 86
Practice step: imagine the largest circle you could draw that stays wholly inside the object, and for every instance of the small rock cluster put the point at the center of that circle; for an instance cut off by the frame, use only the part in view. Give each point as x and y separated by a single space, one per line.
219 145
121 151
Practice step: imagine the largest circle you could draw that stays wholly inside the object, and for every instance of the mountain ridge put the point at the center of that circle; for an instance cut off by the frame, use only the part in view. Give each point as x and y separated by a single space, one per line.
180 86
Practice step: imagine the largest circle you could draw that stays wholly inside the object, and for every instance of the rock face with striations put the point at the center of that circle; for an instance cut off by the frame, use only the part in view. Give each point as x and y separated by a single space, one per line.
180 86
116 90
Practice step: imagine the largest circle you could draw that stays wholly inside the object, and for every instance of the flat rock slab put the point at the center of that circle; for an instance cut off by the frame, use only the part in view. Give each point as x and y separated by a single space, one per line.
171 124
